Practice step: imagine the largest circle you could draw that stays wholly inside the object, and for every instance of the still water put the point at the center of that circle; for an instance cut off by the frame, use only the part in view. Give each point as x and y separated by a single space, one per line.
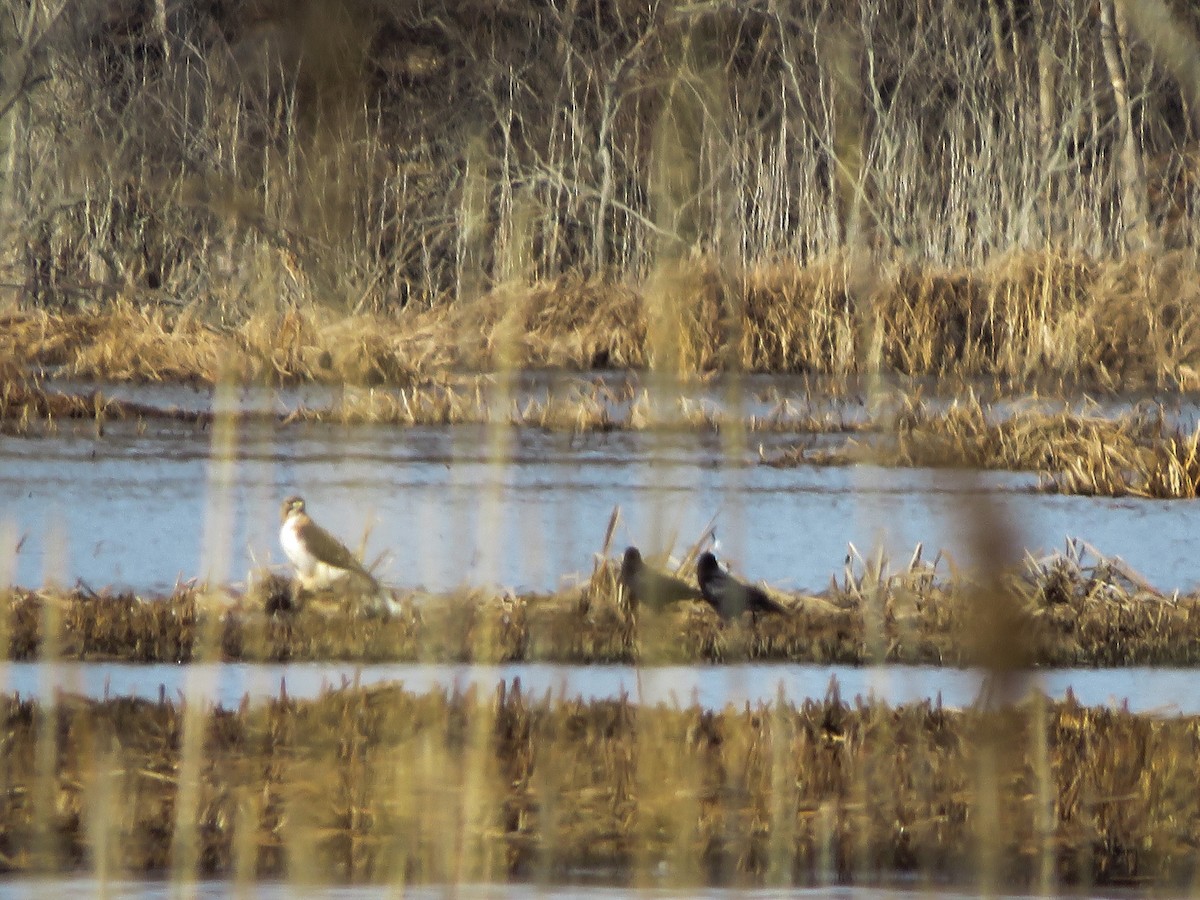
1142 690
142 508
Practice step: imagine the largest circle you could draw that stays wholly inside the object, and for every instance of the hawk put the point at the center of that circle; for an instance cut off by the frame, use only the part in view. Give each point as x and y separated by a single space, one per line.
321 560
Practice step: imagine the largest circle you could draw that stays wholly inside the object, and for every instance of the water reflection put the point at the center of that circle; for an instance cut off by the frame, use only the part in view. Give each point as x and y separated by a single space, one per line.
1146 690
128 508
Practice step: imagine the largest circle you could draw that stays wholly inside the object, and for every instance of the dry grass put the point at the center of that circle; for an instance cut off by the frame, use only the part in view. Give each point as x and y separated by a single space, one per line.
345 169
1032 317
27 407
380 194
373 785
1133 454
1073 609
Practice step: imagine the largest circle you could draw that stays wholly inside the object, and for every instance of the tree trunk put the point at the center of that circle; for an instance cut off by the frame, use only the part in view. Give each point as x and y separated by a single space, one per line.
1130 174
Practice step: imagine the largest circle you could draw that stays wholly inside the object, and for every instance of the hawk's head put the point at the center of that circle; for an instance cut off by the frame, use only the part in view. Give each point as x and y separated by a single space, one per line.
291 506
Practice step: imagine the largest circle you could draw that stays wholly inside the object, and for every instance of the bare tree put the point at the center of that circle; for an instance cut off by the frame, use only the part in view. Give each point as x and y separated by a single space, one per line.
1130 172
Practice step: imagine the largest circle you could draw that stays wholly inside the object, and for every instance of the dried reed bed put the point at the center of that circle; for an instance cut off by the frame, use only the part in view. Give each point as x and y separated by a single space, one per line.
569 323
1132 454
128 342
27 407
381 785
1111 323
586 406
1108 323
1072 609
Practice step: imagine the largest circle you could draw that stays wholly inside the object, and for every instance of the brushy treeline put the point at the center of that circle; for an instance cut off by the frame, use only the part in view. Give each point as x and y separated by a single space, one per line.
382 785
773 178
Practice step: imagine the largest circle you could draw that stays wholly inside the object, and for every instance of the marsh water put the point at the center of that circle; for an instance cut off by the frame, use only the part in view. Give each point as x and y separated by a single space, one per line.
144 505
1141 690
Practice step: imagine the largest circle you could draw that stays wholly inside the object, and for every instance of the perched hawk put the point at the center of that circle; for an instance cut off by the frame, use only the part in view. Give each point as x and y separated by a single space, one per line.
728 596
321 560
645 586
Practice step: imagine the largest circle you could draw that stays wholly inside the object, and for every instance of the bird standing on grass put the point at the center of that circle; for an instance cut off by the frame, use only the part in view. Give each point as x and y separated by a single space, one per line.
728 596
321 560
645 586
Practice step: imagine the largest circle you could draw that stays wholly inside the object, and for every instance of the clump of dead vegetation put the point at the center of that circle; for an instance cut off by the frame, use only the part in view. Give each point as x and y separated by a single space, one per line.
1138 453
28 407
1072 609
382 785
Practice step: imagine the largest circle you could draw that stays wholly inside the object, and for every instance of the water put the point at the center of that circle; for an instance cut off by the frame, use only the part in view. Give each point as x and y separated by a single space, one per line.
141 511
1141 690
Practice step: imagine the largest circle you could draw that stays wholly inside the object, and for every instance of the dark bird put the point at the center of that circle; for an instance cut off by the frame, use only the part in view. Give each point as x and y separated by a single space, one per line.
644 585
728 596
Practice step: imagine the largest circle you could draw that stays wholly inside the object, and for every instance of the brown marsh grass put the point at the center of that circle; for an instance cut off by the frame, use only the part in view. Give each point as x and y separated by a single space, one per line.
367 193
1108 324
359 156
1072 609
1132 454
371 785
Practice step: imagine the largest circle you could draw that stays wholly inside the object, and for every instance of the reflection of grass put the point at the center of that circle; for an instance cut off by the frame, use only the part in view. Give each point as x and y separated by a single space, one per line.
370 784
1137 454
1071 610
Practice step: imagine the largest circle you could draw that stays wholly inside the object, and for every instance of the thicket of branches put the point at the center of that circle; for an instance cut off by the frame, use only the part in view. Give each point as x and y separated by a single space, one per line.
370 155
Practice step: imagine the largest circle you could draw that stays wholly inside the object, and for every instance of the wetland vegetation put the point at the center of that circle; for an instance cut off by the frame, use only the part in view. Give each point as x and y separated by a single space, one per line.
1072 609
350 191
384 786
416 202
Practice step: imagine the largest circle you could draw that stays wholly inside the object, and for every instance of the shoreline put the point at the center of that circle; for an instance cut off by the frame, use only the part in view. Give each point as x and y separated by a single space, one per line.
1066 611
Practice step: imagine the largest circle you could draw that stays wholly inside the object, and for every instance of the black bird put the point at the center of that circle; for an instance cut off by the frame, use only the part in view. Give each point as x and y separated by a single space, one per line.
644 585
728 596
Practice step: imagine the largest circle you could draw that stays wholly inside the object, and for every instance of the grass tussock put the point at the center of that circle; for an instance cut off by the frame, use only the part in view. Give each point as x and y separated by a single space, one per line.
381 785
1072 609
1133 454
1111 324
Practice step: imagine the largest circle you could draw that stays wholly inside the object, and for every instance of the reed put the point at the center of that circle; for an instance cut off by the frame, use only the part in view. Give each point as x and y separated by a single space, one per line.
1120 326
354 173
368 194
1076 608
1137 453
335 776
